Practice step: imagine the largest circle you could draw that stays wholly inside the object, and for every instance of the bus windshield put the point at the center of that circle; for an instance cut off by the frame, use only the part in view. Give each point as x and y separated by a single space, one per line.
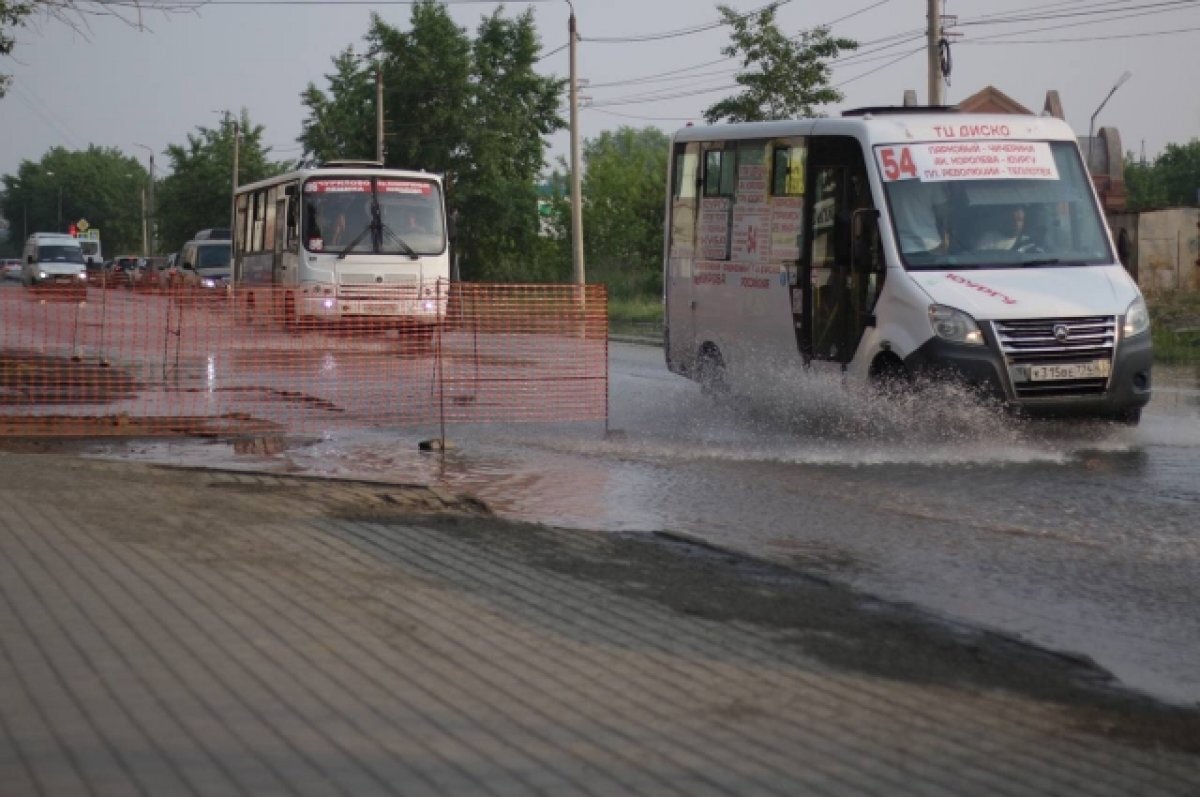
373 215
214 256
992 204
60 254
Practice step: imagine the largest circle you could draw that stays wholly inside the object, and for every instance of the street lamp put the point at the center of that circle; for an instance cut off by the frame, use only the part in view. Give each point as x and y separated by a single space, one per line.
51 174
1092 125
148 208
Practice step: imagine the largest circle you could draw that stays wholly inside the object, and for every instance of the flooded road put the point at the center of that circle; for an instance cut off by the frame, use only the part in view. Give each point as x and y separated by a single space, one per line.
1081 537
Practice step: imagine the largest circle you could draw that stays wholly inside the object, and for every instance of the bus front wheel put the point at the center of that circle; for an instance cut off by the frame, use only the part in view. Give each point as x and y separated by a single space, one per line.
710 372
889 375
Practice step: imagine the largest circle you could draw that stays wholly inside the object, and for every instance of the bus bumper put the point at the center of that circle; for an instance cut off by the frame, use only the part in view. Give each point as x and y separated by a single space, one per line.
984 368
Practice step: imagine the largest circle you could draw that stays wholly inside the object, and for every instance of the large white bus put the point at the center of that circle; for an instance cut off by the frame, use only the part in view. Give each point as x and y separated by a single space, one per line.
891 243
346 240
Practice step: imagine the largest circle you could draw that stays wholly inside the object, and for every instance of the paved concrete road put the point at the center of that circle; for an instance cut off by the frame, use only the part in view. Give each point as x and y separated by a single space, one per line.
169 631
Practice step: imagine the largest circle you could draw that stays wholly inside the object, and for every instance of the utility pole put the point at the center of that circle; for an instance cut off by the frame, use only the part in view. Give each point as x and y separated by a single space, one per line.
148 207
933 47
145 224
234 179
576 178
378 113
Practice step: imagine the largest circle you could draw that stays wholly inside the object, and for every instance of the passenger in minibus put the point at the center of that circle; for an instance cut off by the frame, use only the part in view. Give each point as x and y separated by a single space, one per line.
1005 231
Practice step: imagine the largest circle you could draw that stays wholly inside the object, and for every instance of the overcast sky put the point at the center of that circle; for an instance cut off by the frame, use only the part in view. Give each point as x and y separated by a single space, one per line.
648 62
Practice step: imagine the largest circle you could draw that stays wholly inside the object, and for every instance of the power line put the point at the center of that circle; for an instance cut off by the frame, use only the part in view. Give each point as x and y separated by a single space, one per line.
672 34
908 54
1148 34
1131 15
1162 7
46 114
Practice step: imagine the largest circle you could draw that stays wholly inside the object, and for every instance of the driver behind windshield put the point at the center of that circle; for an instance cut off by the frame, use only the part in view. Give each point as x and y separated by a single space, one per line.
1005 230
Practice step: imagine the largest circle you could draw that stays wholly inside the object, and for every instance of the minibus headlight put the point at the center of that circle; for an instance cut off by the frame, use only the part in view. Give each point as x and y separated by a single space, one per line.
1137 318
954 325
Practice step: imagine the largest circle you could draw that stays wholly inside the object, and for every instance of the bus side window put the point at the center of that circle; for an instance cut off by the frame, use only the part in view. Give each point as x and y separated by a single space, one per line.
293 217
787 168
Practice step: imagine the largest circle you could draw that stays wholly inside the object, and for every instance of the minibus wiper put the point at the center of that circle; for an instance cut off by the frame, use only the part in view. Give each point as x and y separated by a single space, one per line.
1049 261
404 247
354 243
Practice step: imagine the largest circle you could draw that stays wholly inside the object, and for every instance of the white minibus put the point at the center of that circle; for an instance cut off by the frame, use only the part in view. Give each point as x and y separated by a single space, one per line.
53 258
349 239
894 243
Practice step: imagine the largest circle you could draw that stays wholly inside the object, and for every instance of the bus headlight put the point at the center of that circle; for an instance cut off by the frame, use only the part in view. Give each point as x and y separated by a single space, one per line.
954 325
1137 318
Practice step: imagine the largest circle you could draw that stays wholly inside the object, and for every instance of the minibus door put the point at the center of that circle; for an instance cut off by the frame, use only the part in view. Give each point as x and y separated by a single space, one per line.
282 271
836 287
682 251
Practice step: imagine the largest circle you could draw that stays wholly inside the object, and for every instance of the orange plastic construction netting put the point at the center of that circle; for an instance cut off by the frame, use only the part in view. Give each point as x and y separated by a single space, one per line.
91 361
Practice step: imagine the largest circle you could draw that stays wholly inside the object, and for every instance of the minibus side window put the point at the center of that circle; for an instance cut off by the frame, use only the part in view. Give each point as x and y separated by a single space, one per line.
718 172
686 183
787 171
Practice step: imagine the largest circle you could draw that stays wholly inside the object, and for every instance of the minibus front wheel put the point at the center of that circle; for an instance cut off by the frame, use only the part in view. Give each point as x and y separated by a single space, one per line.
710 371
889 375
1129 417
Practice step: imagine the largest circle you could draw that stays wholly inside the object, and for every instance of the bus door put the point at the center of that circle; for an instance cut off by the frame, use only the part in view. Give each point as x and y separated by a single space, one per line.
839 285
682 252
282 271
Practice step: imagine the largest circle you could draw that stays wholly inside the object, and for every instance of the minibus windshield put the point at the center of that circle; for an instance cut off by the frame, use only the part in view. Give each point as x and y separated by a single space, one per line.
365 215
60 254
988 204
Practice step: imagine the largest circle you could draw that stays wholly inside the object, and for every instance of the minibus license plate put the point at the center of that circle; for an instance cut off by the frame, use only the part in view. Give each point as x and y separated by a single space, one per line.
377 308
1096 369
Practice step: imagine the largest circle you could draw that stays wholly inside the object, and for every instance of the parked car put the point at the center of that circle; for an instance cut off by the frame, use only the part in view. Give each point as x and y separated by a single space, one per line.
123 270
152 274
10 268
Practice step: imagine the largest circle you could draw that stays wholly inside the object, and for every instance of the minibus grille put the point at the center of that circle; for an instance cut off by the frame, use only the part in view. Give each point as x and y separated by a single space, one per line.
1030 343
382 287
377 279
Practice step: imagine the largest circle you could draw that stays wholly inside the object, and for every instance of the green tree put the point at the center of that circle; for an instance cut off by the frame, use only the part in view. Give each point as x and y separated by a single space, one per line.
197 193
341 124
1142 182
624 185
473 109
1172 179
12 15
427 89
100 185
781 77
513 109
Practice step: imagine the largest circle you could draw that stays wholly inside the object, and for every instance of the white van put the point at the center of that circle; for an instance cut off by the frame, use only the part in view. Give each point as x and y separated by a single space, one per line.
896 242
52 257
